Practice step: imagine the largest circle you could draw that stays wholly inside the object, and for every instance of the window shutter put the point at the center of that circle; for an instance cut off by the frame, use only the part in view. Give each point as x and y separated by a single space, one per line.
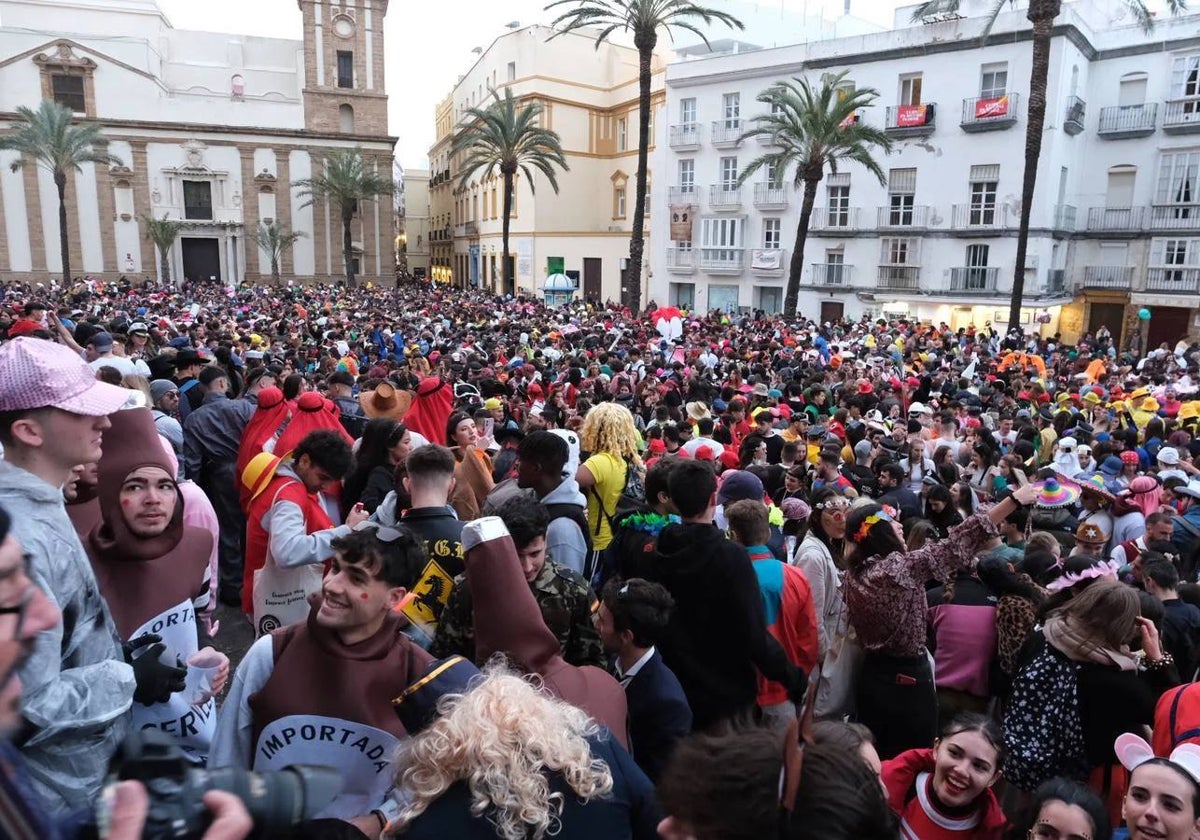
987 172
902 181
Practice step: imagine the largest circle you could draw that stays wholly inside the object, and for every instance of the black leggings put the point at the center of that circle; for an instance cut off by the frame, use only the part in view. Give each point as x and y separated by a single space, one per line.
897 701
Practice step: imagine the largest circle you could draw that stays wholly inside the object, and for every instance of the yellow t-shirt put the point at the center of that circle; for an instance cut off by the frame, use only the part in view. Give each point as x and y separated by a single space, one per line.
609 472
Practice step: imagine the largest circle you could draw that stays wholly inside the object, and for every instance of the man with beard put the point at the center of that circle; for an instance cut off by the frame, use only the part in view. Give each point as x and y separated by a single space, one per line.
354 641
154 573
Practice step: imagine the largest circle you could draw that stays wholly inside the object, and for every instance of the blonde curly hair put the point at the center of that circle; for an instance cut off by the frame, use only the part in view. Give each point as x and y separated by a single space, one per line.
609 427
502 738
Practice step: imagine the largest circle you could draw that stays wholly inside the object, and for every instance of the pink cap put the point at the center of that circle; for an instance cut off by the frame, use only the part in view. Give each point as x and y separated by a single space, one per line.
35 373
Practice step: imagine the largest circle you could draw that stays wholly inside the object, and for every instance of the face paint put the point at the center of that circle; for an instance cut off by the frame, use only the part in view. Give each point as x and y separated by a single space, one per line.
364 596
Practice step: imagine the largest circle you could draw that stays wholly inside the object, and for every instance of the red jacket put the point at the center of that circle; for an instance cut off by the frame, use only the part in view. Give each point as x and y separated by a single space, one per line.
284 487
906 789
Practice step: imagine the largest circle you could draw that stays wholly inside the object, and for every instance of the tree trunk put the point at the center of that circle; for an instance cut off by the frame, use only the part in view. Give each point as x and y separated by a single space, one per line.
1042 14
164 258
60 181
509 283
275 278
637 240
348 244
796 268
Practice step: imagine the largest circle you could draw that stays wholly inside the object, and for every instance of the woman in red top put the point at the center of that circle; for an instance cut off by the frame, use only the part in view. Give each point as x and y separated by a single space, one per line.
946 793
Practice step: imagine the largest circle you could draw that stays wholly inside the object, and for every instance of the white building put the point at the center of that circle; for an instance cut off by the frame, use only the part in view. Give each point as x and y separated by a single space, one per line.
1115 223
589 97
211 128
415 222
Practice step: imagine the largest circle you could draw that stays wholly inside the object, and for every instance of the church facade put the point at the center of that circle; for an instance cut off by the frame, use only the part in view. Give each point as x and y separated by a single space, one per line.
209 128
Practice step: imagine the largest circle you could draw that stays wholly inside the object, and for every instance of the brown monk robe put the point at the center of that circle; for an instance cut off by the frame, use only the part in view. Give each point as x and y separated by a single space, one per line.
507 619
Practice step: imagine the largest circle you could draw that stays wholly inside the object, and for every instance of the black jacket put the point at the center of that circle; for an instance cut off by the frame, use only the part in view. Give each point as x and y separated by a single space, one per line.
659 715
716 641
1181 635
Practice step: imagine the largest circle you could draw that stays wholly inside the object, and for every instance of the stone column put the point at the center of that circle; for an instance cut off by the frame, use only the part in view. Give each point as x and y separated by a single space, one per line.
321 253
33 212
74 246
283 204
139 180
5 264
250 215
106 208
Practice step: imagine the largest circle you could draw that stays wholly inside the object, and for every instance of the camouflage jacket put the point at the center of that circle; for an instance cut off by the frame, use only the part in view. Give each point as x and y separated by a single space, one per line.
567 604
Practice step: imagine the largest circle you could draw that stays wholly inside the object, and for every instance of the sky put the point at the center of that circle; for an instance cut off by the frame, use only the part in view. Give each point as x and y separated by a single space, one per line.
428 45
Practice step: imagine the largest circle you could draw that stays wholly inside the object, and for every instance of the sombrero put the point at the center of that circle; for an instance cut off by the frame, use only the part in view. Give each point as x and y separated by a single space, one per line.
1055 494
385 401
259 472
1095 484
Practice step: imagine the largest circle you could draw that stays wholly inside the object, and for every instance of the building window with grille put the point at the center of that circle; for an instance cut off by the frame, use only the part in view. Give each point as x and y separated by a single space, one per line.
976 273
721 241
732 107
984 182
512 71
910 89
345 68
835 267
993 80
68 92
772 233
1177 196
622 134
687 176
729 173
687 111
902 188
838 204
619 201
197 200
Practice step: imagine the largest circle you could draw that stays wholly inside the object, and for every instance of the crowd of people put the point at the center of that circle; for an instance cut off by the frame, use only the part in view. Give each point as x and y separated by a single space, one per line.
517 571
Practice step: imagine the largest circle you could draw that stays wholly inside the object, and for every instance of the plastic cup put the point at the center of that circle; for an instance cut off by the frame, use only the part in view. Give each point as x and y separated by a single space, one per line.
202 670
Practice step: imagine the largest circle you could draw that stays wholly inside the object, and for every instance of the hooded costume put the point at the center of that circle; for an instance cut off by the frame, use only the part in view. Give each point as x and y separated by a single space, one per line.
264 427
153 584
430 409
312 413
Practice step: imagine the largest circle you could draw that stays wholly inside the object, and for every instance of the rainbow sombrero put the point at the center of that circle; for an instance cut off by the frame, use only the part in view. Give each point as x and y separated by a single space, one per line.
259 472
1051 493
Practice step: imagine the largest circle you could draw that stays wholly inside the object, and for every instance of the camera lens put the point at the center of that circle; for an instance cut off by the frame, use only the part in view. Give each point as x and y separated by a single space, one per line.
280 799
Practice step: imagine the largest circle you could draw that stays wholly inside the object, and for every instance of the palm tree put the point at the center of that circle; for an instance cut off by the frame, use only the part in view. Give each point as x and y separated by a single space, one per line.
163 233
815 129
506 136
49 138
1041 13
643 19
275 239
344 181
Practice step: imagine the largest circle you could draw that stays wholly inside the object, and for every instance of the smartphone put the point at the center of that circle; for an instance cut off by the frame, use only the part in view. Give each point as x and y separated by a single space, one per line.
489 425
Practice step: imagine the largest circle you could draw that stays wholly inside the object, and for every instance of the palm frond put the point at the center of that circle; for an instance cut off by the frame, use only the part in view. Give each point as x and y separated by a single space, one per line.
505 135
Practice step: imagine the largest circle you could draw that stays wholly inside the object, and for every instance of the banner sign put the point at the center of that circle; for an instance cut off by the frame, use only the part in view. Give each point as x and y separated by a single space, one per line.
764 260
849 121
910 116
682 216
988 108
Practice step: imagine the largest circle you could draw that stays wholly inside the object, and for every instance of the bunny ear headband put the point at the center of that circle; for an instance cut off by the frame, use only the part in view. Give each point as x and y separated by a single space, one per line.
1133 751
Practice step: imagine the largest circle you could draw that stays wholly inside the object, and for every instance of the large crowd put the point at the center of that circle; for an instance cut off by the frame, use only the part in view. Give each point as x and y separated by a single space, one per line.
518 571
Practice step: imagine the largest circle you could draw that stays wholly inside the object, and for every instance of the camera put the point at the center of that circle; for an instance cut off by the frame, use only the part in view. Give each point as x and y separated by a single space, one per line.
176 787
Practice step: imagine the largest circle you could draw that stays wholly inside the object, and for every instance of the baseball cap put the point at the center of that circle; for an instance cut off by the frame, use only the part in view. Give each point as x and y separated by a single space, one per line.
40 374
738 485
1168 455
492 403
102 341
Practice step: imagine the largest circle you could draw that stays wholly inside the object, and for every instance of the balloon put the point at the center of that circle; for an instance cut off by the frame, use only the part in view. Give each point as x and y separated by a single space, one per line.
1143 314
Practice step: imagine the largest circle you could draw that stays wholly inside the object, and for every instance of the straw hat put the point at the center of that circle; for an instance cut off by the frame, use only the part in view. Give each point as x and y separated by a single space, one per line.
259 472
385 401
1054 494
697 410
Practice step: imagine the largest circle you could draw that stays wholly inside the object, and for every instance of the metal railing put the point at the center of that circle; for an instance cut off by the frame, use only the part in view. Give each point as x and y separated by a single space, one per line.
900 278
717 260
1056 281
1183 281
687 192
834 219
1106 277
974 279
770 195
1074 115
724 195
982 111
726 132
681 260
980 217
1116 218
1128 119
903 218
911 118
832 274
1175 217
1184 111
684 135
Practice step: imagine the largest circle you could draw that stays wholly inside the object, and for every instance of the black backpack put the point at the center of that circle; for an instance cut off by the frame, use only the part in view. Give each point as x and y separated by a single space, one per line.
578 515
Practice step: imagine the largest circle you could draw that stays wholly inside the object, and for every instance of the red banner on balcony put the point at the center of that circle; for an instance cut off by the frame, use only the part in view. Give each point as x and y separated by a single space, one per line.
910 116
989 108
849 121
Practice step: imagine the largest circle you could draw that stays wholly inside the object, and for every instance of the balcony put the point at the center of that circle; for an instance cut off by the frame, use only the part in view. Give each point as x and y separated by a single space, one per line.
768 262
1118 277
472 228
990 113
1175 217
899 278
727 134
1074 116
725 197
1118 122
832 275
681 261
839 221
974 280
1180 281
910 120
980 217
722 260
903 218
1064 218
1122 220
685 138
770 197
1182 116
1056 281
685 194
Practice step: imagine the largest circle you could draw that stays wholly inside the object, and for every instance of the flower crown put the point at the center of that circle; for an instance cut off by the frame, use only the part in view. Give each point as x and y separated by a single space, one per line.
1108 569
884 514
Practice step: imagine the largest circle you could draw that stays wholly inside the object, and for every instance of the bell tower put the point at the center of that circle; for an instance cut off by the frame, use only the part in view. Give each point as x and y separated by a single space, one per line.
343 66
